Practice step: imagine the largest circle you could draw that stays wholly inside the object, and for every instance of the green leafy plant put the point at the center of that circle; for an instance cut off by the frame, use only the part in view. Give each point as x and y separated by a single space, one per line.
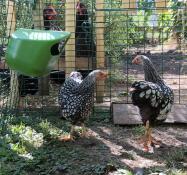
174 158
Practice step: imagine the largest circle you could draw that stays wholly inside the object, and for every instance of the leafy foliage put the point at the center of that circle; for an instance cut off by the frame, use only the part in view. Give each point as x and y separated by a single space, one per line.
179 15
174 158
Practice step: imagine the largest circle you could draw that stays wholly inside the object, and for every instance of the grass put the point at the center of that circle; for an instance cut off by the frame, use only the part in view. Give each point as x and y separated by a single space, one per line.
165 171
22 144
174 158
176 172
29 145
138 130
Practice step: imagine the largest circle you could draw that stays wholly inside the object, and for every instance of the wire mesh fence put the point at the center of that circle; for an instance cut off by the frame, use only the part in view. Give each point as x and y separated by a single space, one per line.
153 28
105 35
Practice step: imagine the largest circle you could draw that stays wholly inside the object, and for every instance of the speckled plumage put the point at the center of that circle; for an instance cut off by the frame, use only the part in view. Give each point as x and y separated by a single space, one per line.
153 96
76 98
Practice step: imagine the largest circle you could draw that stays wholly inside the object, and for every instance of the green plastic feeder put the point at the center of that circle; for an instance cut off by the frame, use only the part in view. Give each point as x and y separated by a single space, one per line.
35 52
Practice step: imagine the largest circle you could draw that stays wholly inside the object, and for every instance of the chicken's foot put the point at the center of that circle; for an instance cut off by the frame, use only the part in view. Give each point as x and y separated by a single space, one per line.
156 143
68 137
149 141
84 131
80 131
146 139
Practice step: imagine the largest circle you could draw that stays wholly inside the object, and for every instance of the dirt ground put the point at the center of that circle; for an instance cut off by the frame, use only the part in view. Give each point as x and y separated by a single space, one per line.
109 149
30 145
123 143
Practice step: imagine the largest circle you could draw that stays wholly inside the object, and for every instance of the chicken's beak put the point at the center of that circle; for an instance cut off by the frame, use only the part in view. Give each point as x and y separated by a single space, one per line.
137 60
131 89
103 75
106 73
134 61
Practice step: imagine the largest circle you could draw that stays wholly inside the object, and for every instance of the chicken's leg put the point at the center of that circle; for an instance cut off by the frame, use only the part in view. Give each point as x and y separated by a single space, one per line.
84 131
144 138
150 142
80 131
148 139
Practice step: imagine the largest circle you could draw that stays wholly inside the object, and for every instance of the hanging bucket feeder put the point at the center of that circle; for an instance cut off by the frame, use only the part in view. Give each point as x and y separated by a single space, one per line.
35 52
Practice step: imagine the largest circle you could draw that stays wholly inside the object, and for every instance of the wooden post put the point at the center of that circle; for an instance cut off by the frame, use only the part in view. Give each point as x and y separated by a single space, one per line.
43 82
130 6
11 26
70 22
100 54
161 5
184 20
11 17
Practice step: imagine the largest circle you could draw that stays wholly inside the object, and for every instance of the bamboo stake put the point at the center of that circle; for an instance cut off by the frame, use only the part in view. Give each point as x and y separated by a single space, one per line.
11 26
70 22
100 54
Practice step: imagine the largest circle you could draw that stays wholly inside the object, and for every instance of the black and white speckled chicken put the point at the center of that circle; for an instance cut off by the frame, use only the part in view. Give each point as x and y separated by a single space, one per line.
153 97
76 97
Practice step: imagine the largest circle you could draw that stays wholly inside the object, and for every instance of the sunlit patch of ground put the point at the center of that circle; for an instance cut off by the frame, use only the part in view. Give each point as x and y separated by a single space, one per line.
30 146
